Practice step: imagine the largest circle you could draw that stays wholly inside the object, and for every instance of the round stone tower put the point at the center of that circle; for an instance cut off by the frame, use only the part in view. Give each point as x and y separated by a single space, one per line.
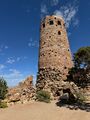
54 54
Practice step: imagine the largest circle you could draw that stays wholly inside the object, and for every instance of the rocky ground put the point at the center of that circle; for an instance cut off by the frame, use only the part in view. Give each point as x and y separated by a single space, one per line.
42 111
21 93
25 92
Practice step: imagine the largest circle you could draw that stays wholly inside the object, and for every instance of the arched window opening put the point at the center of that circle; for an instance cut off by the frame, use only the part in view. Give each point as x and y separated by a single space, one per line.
59 33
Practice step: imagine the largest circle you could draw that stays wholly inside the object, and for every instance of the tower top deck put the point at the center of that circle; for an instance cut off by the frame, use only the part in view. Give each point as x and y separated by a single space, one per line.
53 17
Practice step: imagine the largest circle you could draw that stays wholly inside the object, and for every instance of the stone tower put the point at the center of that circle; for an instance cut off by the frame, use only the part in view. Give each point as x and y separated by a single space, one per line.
54 54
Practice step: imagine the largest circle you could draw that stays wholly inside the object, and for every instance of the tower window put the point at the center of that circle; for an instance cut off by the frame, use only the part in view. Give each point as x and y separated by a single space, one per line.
68 50
64 24
51 22
59 33
65 67
43 25
44 43
49 36
59 23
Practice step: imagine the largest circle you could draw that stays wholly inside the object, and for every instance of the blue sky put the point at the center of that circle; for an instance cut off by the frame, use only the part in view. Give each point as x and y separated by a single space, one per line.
19 32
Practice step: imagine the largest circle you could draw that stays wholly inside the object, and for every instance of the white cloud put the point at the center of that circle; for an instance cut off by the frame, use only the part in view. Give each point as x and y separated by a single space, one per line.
3 47
14 73
2 66
58 13
44 10
32 43
10 60
54 2
6 47
76 22
18 59
13 77
68 12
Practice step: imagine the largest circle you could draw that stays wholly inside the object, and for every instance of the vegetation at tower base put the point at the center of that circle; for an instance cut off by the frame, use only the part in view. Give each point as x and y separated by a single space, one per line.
3 92
3 104
43 96
80 73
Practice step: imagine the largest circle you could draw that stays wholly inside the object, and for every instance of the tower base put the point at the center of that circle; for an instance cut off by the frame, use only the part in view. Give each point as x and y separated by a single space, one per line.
50 79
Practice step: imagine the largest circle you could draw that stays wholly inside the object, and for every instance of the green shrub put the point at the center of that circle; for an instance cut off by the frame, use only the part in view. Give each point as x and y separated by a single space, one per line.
3 105
43 96
3 89
80 97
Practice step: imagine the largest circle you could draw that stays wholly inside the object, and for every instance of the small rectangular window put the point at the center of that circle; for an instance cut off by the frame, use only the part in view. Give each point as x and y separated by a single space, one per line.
51 22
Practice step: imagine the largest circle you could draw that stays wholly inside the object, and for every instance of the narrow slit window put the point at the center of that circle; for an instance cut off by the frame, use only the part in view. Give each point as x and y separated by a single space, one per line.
59 23
59 33
44 25
68 50
64 25
51 22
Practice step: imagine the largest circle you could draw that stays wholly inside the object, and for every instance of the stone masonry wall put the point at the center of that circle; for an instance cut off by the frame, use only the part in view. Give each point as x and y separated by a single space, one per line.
54 54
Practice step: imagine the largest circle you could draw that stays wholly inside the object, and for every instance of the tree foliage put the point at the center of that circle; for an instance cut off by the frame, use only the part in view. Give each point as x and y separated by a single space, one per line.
3 88
80 73
82 58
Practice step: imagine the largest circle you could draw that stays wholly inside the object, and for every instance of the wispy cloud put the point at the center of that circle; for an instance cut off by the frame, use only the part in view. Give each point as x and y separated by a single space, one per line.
14 73
33 43
68 12
2 66
54 2
18 59
44 10
10 60
13 76
6 47
3 47
76 22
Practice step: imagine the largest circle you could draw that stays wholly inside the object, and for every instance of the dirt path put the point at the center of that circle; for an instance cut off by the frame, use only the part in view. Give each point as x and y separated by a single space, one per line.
42 111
